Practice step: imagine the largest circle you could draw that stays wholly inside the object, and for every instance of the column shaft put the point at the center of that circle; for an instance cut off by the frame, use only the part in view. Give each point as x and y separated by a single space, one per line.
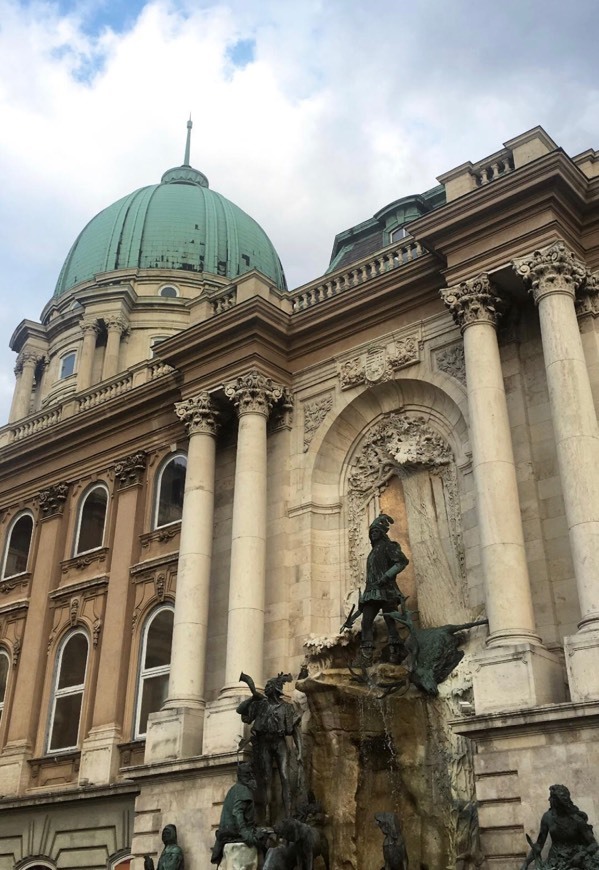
111 353
190 629
245 632
86 357
24 388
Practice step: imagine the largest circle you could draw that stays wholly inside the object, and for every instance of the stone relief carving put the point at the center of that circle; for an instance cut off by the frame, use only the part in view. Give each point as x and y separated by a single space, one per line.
379 363
199 414
11 583
130 470
254 393
450 360
96 629
315 410
51 500
473 301
281 416
397 444
550 269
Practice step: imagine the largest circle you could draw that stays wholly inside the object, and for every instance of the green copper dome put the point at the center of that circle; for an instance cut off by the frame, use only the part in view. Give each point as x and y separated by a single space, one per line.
177 224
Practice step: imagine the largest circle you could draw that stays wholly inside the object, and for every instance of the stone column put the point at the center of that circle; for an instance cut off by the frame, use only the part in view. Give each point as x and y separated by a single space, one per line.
24 720
553 275
89 328
253 396
25 373
178 729
512 673
99 752
116 326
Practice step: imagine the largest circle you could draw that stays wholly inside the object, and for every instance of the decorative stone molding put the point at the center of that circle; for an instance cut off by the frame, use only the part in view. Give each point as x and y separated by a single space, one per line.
161 536
16 651
96 629
130 470
155 581
396 446
587 297
12 583
116 323
450 360
315 410
29 357
553 269
474 301
199 414
253 393
85 560
74 610
379 363
51 500
89 324
282 413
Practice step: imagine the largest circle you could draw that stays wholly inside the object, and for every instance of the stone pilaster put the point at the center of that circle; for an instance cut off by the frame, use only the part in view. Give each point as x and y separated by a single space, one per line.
177 731
116 327
27 361
253 396
515 671
554 275
89 327
24 720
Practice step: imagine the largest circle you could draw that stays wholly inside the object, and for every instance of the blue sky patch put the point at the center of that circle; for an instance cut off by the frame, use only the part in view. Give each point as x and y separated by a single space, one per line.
242 52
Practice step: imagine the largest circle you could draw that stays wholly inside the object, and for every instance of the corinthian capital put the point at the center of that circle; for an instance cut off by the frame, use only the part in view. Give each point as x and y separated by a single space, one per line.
89 324
474 301
253 393
199 414
116 323
51 500
554 269
28 358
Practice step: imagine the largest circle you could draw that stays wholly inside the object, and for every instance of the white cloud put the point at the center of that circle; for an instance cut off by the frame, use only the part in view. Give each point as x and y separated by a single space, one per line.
345 107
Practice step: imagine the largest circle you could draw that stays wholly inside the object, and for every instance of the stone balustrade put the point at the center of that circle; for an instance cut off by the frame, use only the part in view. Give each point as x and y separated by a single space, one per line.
226 299
106 391
338 282
35 424
495 167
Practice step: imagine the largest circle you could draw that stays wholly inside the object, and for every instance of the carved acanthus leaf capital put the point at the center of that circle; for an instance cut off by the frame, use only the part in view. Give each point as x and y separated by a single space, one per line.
116 323
474 301
199 414
89 324
253 393
553 269
51 500
30 357
130 470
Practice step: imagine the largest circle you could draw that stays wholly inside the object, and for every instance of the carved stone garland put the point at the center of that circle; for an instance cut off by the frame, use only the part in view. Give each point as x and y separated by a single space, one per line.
397 445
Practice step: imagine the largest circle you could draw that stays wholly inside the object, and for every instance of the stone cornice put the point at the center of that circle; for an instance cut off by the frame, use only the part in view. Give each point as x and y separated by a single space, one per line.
199 414
552 269
253 393
474 301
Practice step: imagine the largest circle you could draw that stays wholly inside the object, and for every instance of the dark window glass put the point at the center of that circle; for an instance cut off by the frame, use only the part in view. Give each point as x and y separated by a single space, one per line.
67 365
74 659
18 546
158 644
169 292
170 495
67 713
93 515
153 696
3 679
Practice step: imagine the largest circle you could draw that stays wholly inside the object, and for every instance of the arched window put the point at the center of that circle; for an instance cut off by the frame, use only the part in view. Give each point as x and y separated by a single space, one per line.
18 543
67 695
155 666
4 667
92 519
169 491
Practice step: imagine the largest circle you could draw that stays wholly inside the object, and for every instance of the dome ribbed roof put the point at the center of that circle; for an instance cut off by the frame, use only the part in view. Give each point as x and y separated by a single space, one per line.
177 224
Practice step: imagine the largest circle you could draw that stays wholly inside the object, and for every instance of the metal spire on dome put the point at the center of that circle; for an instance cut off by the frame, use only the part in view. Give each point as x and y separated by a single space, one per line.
188 143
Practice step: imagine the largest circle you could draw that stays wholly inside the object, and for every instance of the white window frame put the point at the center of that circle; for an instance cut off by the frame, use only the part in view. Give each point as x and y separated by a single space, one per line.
4 653
68 690
76 550
61 360
157 489
19 516
402 233
143 673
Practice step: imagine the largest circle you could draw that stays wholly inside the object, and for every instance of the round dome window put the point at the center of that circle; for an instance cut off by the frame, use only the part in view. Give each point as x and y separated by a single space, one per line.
169 291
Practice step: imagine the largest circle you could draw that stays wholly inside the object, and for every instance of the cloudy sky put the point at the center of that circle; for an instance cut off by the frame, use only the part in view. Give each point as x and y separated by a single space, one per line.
309 115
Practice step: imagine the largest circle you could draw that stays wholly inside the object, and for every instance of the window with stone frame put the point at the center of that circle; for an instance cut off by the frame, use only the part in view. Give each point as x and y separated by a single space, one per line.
67 692
92 520
18 544
170 486
155 666
67 365
4 669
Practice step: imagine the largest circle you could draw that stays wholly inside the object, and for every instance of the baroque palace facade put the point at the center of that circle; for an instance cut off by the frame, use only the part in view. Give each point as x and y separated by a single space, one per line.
194 454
